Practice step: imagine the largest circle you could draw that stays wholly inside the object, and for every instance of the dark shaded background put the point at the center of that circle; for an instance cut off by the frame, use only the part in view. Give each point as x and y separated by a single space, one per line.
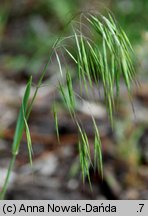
28 29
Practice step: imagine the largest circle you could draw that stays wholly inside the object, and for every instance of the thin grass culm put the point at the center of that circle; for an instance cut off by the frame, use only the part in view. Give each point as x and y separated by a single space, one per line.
103 57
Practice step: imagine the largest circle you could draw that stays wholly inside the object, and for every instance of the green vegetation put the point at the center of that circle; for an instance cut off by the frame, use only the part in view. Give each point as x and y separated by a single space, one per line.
105 58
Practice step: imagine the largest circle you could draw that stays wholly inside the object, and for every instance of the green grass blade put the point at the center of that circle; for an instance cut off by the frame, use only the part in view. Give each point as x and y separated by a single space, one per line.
20 121
97 150
70 90
29 143
70 54
59 63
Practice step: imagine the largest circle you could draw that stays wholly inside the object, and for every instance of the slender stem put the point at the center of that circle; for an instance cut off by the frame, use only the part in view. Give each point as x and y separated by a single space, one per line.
42 77
5 186
45 68
12 161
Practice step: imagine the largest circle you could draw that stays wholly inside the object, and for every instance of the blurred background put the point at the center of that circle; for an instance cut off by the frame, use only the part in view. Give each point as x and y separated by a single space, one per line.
28 28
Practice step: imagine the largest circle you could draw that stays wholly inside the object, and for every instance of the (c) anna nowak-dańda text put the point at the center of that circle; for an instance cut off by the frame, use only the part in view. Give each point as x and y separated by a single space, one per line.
68 208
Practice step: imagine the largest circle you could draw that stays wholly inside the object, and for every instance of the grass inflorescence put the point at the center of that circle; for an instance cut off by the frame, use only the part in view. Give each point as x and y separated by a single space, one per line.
103 57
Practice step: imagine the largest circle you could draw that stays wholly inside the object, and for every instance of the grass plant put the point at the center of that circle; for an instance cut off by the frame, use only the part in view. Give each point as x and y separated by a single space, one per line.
105 58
